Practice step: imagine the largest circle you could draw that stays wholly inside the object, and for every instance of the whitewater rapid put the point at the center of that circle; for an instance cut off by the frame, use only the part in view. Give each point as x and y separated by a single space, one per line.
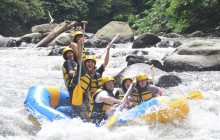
23 67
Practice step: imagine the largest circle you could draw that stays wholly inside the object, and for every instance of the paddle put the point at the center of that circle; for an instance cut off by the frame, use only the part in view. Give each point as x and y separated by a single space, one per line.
112 120
78 92
195 95
152 72
108 46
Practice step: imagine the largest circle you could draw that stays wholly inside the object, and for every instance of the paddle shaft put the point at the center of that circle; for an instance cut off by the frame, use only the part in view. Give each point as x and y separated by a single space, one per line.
123 100
152 72
110 42
80 66
112 120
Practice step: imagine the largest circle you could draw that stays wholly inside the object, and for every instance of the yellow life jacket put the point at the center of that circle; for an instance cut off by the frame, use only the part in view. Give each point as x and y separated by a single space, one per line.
138 96
67 79
85 81
97 110
96 83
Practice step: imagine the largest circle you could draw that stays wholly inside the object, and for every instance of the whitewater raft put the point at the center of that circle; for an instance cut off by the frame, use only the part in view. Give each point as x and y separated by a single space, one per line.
163 109
50 103
47 103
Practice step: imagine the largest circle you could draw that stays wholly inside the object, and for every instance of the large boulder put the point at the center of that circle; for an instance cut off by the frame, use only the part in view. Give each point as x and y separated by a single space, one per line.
7 42
96 43
196 55
134 69
29 38
115 27
166 81
146 40
64 39
43 28
3 41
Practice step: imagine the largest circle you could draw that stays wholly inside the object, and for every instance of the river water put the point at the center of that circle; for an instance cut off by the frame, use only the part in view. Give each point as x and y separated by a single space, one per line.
23 67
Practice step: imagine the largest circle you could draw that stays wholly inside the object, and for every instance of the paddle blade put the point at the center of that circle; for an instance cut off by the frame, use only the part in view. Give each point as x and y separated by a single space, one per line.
77 95
195 95
112 120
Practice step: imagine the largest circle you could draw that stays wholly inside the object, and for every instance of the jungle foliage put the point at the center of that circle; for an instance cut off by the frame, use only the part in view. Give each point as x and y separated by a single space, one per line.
143 15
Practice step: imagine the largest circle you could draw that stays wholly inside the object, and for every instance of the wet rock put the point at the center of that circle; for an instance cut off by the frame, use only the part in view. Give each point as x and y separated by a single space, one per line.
109 31
136 59
63 39
3 41
172 35
96 43
196 55
166 44
196 34
146 40
43 28
134 69
29 38
166 81
56 51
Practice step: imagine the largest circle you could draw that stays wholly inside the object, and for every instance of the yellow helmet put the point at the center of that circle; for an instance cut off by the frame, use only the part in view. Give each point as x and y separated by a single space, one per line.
141 76
75 34
65 50
125 78
90 57
106 79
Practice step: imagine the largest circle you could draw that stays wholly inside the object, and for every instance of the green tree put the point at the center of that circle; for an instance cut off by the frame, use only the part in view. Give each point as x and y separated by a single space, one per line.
177 16
65 9
15 14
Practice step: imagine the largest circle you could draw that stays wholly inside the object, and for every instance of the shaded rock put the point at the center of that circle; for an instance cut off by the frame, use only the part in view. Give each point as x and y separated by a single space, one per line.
176 44
166 81
163 44
29 38
146 40
63 39
109 31
134 69
156 64
166 44
135 59
43 28
172 35
196 34
194 56
56 51
3 41
96 43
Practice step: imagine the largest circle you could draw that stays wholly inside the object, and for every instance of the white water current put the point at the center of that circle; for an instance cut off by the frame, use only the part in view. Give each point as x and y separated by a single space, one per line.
23 67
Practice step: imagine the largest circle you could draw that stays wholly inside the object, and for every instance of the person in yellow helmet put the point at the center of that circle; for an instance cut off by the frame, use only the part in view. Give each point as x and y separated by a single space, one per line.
104 101
78 41
90 62
143 91
125 83
69 70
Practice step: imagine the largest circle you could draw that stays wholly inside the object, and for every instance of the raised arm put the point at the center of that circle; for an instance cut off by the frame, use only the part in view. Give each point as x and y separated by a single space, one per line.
107 56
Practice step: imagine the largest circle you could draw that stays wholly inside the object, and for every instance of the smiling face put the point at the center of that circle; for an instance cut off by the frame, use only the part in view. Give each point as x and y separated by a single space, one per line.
127 83
110 85
142 83
69 55
78 37
90 65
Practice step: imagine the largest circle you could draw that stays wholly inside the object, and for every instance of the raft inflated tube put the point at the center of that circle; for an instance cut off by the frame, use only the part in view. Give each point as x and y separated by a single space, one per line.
163 109
47 102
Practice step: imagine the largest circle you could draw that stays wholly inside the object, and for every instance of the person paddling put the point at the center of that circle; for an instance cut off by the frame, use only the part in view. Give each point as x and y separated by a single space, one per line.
143 91
104 101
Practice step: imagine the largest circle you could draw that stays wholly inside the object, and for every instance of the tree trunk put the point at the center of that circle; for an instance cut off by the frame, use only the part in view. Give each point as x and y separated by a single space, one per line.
66 25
